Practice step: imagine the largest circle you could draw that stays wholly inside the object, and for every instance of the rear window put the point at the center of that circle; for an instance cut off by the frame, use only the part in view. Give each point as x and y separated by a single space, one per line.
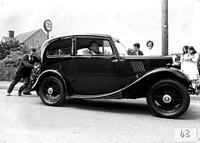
60 48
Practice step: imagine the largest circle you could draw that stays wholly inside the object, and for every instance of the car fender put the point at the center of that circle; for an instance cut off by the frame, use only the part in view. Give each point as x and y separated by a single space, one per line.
155 75
48 73
171 71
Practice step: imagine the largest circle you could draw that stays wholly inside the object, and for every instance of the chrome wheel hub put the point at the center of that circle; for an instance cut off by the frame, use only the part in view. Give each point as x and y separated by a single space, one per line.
167 98
50 90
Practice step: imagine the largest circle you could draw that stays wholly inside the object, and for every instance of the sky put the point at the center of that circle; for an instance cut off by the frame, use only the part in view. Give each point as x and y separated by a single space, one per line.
129 20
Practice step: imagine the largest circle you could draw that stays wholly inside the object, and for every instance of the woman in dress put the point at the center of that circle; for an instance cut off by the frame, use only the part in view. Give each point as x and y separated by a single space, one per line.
184 60
193 59
192 69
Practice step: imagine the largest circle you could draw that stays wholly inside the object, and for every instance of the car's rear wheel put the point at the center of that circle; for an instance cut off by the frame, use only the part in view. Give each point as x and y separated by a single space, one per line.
168 98
51 91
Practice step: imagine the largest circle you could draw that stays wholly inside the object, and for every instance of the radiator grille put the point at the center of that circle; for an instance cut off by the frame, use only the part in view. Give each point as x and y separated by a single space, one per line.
138 67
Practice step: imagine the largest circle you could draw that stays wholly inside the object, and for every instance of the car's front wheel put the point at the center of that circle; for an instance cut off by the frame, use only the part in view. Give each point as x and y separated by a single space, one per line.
168 98
51 91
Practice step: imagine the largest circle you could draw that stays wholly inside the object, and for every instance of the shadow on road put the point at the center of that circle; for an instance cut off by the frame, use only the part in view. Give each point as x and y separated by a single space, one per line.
192 113
124 107
114 106
109 106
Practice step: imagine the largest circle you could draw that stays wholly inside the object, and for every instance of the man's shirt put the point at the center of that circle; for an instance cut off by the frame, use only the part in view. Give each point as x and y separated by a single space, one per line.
26 65
136 53
89 52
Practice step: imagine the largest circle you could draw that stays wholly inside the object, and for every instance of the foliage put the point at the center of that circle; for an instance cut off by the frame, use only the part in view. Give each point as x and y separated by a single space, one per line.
7 47
11 53
9 65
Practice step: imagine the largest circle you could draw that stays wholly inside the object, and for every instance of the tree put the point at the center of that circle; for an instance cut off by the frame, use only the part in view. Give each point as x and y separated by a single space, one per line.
7 47
11 53
9 65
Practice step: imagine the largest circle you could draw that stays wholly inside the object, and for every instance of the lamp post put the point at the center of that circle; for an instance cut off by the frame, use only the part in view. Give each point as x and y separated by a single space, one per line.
165 27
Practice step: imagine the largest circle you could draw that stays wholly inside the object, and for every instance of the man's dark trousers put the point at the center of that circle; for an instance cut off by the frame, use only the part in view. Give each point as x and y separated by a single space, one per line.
16 79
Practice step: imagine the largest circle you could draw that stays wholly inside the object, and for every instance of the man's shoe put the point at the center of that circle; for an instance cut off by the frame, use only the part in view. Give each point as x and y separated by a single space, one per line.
26 93
8 94
19 94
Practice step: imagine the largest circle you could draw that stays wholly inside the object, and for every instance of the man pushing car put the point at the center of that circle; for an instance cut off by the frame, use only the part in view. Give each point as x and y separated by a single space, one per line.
24 71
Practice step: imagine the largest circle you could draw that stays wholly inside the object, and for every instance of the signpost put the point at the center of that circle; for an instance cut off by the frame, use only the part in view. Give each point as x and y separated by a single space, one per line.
164 27
47 27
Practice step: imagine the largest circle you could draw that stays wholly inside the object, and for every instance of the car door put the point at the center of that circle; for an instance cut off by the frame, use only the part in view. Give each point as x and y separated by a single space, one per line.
95 74
59 56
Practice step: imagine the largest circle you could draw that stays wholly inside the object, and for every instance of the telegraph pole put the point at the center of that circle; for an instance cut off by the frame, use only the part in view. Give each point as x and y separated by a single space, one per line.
47 34
164 27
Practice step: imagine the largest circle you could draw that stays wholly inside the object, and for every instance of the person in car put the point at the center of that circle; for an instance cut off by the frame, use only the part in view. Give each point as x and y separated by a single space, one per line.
24 70
93 49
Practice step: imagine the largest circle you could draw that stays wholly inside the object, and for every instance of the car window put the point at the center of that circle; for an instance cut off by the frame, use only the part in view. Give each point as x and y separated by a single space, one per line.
61 47
106 48
93 47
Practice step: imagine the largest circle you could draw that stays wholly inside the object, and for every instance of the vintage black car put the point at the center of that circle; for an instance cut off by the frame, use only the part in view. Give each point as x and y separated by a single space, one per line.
72 69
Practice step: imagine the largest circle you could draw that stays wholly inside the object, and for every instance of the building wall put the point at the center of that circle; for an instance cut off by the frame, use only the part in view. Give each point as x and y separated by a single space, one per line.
6 39
36 40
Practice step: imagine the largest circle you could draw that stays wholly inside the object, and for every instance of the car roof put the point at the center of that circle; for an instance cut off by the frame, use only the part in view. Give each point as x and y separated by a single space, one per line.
72 35
85 34
92 34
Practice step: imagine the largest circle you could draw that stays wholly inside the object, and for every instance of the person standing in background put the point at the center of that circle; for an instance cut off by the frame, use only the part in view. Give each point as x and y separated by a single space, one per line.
191 66
184 59
149 50
137 51
193 59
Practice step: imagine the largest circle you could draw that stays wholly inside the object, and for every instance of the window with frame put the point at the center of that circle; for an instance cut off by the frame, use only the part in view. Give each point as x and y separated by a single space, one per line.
93 47
60 48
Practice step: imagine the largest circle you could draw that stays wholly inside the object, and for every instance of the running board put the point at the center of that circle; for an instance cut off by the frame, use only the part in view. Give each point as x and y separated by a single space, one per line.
117 95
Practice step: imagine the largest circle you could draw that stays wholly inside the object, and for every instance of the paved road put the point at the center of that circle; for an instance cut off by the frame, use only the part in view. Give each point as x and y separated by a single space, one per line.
24 119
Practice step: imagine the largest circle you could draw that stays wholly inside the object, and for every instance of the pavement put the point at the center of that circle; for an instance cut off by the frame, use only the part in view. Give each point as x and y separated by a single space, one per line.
26 120
5 84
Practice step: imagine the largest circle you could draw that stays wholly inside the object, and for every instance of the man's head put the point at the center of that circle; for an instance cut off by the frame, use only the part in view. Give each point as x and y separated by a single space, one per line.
93 46
136 46
32 52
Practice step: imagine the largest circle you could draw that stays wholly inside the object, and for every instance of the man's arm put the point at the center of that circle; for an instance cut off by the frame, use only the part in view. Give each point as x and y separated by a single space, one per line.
37 59
141 53
26 62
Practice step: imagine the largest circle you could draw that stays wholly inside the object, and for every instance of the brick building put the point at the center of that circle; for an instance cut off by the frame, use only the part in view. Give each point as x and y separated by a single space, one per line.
32 39
9 38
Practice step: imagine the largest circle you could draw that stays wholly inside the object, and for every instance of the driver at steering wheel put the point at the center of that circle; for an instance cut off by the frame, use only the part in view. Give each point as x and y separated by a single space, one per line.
93 49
